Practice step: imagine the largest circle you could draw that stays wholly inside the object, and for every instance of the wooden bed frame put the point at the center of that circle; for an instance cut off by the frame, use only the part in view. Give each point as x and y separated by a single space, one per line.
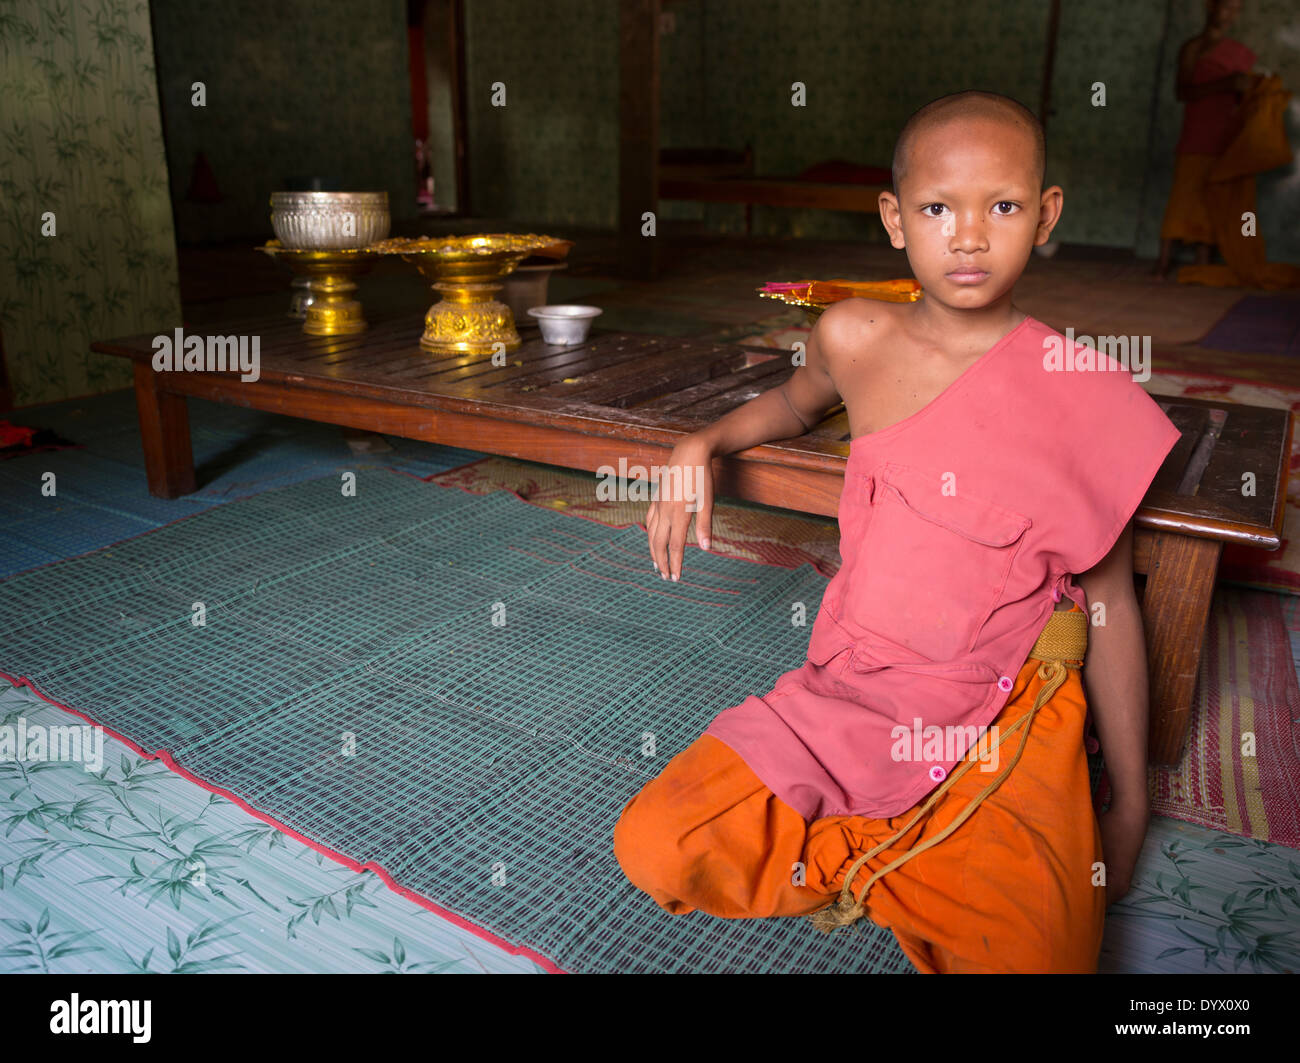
719 175
632 397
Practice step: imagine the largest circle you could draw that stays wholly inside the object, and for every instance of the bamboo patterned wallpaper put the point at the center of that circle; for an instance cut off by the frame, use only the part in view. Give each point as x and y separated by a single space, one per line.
81 140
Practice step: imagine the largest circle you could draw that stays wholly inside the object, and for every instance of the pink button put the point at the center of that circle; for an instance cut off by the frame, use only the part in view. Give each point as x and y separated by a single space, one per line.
1004 684
937 773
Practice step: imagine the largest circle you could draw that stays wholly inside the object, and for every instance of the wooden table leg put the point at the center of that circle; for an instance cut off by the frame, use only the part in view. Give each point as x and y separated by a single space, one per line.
165 433
1175 609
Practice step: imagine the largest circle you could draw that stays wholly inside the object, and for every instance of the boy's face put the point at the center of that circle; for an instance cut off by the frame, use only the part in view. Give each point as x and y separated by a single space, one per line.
969 210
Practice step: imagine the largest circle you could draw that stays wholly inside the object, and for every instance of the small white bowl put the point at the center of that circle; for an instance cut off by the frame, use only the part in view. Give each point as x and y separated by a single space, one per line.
563 325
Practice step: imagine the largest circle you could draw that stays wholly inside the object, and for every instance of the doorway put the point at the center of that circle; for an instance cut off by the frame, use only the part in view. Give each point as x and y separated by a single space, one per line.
436 40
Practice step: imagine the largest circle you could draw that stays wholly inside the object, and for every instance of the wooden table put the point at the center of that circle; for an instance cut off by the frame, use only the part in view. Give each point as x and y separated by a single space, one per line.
632 397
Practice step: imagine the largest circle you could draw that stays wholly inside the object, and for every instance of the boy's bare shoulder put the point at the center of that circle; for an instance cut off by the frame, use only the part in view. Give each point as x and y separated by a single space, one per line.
856 331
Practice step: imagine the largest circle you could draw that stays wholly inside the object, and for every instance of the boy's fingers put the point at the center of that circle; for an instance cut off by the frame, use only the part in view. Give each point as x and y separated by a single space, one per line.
678 547
662 532
662 526
651 522
657 542
704 522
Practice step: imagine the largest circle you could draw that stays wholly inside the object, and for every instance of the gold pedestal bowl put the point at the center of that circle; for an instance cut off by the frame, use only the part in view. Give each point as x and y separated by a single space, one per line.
331 309
468 272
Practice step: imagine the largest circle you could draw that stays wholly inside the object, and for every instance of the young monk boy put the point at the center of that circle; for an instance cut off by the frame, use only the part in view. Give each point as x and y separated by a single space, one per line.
986 515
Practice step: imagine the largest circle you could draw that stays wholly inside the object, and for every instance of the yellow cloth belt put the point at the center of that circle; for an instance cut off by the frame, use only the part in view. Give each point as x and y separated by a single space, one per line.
1061 645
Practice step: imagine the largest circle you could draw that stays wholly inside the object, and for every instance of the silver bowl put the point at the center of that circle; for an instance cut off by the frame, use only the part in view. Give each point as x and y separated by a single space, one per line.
329 221
564 324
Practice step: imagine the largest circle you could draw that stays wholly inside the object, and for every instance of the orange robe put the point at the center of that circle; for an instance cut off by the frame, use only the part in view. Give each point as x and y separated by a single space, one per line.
1187 214
1010 890
1208 126
1260 144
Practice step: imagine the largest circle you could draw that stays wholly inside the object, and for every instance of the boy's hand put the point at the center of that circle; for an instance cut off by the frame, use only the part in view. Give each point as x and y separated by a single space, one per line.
687 480
1123 829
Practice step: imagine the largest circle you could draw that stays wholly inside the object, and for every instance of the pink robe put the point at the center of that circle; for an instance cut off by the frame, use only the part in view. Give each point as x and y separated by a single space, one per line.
1210 123
960 527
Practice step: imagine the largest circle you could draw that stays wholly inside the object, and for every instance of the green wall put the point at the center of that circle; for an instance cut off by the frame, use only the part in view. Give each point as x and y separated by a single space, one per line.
728 68
294 87
551 155
80 137
1098 154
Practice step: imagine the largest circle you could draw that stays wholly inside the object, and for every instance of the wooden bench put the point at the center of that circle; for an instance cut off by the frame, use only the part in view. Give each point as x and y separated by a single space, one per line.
633 397
719 175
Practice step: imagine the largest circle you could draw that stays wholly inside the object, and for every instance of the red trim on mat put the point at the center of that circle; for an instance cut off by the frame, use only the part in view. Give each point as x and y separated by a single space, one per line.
346 861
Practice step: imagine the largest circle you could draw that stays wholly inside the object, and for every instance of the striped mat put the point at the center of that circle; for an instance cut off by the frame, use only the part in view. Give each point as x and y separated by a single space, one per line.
1240 771
465 721
1247 682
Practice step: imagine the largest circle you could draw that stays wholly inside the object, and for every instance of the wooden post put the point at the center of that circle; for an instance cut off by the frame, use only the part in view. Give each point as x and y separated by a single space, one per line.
638 139
1175 611
1049 63
460 118
165 433
6 391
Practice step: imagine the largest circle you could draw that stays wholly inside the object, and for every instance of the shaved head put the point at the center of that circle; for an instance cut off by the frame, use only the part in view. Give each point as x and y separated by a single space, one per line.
966 105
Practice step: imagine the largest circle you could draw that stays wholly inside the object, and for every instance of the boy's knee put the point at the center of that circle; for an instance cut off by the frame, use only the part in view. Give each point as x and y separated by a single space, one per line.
648 847
624 833
638 838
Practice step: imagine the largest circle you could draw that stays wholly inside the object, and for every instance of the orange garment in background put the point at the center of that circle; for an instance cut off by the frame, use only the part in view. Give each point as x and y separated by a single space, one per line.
1208 126
1009 891
1187 214
1260 144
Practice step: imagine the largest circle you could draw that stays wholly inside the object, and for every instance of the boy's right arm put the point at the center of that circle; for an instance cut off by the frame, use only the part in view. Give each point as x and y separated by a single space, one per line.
783 412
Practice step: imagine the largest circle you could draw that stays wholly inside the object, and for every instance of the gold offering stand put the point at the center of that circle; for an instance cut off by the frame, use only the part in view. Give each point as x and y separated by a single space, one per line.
467 271
331 310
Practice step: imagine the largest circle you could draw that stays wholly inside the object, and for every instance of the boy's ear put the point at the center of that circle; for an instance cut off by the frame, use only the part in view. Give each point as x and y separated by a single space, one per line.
891 217
1049 213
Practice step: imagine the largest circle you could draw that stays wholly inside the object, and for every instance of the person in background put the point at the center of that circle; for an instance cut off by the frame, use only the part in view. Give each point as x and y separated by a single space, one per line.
1214 73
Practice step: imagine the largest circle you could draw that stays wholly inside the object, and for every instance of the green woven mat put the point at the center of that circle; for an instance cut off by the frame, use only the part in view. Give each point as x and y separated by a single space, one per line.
452 687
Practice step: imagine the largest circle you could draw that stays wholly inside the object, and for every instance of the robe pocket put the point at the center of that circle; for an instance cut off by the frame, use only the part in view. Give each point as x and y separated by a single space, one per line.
932 565
828 640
